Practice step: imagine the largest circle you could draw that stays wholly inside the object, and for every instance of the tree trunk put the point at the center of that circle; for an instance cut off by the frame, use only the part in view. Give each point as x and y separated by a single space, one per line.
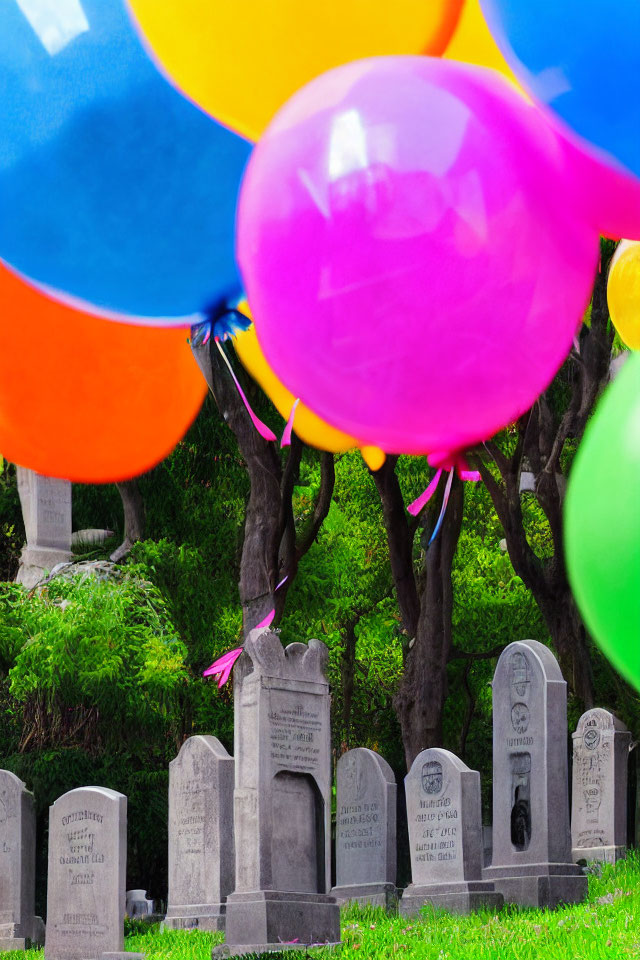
569 639
420 700
270 548
348 681
400 542
259 561
134 517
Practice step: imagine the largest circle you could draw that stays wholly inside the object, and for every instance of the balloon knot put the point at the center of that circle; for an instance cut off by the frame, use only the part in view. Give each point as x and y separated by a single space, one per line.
222 320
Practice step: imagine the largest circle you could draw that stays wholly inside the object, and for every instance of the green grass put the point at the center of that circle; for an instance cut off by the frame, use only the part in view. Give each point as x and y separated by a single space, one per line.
606 925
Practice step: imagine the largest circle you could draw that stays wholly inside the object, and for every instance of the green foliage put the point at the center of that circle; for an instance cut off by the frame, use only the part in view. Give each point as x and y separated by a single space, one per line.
11 524
95 680
343 584
93 659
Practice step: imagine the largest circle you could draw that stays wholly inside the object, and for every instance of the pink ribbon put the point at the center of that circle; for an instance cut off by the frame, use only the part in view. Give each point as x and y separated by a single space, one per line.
286 436
223 666
442 461
268 620
261 427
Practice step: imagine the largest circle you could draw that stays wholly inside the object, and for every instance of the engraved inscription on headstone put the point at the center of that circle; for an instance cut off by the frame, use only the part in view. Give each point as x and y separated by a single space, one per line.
365 829
445 836
46 510
282 798
599 797
531 859
201 850
86 878
17 863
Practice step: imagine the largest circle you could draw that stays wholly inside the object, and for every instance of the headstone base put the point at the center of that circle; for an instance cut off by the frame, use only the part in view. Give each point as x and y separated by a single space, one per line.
36 562
211 917
602 854
539 884
276 917
22 936
226 950
122 955
463 897
14 943
368 895
38 931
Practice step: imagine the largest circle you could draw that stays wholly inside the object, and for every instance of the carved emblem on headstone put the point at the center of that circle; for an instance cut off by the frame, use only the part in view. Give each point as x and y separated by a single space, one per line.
432 777
520 717
354 781
519 671
591 738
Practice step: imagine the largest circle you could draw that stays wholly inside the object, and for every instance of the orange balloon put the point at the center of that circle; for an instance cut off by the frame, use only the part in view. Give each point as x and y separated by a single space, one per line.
85 398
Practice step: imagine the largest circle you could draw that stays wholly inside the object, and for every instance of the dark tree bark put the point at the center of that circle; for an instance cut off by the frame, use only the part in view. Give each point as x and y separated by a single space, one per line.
348 680
423 690
272 548
542 436
134 517
425 603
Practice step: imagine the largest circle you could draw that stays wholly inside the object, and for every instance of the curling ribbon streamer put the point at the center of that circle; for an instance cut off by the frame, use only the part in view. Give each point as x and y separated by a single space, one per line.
261 427
286 436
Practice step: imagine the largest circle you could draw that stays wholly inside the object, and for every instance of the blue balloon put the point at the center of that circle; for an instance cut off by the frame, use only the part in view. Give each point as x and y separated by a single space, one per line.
582 58
114 189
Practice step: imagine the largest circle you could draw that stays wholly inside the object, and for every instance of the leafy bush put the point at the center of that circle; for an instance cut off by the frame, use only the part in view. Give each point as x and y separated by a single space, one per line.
94 661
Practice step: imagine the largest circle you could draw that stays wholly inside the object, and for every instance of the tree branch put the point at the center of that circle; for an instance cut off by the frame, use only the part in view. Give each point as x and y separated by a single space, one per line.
321 509
400 542
457 654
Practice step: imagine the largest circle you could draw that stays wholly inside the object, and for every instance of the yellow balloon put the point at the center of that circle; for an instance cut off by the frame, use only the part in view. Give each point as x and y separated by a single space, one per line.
472 42
623 292
309 427
242 59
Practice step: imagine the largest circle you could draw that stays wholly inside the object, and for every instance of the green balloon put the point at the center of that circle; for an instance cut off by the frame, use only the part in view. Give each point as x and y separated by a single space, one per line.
602 523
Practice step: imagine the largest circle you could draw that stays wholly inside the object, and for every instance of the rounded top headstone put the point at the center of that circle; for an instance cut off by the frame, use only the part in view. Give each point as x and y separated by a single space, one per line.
599 719
362 755
10 777
540 655
102 791
432 760
201 743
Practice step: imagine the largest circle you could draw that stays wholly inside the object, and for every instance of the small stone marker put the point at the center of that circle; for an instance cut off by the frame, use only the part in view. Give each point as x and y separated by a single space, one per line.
282 798
365 830
86 880
444 814
201 849
46 510
599 798
531 861
17 864
137 905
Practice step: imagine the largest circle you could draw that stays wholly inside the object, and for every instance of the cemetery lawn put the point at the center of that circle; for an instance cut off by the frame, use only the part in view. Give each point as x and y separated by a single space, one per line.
607 924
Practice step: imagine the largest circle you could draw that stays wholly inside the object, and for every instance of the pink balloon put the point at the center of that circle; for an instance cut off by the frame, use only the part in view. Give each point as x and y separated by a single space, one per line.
410 236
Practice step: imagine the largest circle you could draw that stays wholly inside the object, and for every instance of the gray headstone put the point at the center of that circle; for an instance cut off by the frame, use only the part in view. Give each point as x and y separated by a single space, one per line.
444 815
365 829
86 878
599 796
137 905
282 797
90 537
531 861
201 850
46 510
17 864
